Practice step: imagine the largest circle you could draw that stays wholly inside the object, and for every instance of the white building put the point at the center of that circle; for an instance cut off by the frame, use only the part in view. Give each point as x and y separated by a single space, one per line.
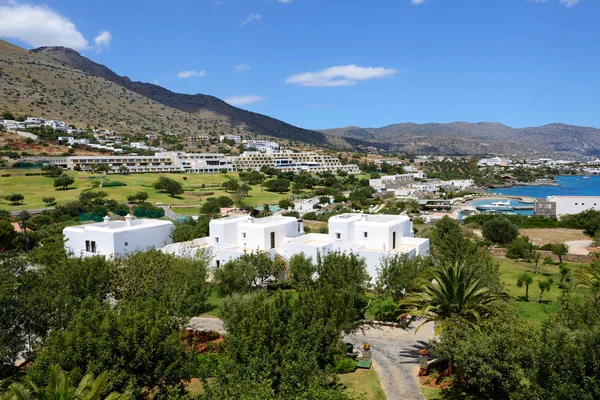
306 205
235 138
117 238
261 145
371 237
560 206
287 160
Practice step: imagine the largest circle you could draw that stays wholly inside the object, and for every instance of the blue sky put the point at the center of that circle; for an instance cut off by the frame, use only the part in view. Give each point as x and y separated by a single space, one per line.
333 63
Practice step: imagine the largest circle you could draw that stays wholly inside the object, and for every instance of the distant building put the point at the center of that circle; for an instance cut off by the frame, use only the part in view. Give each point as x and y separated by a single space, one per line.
235 138
114 239
560 206
287 160
306 205
198 138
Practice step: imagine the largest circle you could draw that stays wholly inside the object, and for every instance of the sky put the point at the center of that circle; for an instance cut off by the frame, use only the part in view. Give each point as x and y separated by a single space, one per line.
332 63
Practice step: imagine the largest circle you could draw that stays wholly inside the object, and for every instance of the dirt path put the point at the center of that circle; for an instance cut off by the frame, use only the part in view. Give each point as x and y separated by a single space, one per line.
395 357
580 247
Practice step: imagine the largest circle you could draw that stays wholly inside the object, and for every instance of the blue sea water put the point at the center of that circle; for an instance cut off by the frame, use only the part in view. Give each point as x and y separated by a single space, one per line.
569 186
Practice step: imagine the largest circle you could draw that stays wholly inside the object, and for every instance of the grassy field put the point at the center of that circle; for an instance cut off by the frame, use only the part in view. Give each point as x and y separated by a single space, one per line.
534 312
540 237
34 188
365 383
431 393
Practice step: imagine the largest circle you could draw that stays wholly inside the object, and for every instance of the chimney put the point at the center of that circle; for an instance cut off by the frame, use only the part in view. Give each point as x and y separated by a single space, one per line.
251 219
106 219
363 217
128 220
301 226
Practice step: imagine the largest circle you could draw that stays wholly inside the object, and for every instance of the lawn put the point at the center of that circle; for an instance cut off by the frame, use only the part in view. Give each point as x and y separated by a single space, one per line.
34 188
431 393
365 383
534 312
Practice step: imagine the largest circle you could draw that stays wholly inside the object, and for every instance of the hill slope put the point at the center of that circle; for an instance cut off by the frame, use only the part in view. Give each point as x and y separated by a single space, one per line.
478 138
56 82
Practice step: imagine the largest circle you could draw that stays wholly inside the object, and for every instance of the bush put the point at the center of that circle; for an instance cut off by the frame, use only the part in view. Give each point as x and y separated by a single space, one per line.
500 230
108 184
148 211
345 366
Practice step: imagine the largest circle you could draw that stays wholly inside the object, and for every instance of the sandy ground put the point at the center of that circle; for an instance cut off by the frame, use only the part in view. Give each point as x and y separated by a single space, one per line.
206 324
395 357
541 237
580 247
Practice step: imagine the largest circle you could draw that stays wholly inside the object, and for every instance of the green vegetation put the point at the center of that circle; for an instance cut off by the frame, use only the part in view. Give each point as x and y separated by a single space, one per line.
363 382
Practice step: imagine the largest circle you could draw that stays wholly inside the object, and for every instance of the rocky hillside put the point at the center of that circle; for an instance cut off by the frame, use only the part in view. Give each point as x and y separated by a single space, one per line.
57 82
478 138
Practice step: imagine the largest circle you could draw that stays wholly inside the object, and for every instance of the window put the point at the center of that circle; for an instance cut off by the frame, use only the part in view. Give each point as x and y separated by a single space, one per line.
365 235
338 236
244 235
575 203
90 246
126 244
216 239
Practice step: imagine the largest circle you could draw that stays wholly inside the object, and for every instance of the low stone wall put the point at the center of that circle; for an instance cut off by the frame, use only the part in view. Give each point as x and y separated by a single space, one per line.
573 258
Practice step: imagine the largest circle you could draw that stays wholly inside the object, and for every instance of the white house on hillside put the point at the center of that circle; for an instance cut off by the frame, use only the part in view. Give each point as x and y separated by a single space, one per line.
370 236
117 238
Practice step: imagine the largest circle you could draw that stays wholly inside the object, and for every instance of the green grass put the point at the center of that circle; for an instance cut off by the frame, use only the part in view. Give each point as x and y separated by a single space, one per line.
34 188
365 383
431 393
535 313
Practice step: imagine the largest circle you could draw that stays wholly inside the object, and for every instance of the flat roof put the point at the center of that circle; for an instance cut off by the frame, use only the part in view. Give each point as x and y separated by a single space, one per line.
380 218
121 225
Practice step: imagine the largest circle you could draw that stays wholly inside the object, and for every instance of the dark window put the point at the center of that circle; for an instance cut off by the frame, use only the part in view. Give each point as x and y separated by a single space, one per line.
272 240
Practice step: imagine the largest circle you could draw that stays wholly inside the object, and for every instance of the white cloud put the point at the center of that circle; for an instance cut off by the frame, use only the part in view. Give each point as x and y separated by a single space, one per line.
416 2
538 1
102 40
243 100
346 75
250 18
241 68
191 74
155 82
285 1
39 26
569 3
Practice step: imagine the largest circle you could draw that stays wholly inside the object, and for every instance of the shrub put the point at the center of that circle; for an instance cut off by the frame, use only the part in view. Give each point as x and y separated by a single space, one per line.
148 211
500 230
345 366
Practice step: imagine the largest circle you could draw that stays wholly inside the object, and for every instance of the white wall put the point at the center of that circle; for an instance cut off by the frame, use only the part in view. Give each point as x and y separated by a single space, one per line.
575 204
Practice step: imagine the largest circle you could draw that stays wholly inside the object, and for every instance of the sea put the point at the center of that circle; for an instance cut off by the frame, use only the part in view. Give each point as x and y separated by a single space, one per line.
571 185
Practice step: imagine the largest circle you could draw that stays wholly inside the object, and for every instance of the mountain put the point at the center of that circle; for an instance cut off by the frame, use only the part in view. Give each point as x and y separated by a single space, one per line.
60 83
476 138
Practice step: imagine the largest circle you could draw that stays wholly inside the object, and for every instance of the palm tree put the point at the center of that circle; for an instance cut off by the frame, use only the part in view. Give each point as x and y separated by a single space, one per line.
589 276
59 387
451 291
265 212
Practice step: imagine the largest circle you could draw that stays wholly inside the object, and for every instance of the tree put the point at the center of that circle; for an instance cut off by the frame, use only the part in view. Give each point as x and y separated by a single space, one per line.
544 286
168 185
521 247
138 197
190 229
249 272
52 170
489 361
564 273
48 200
589 277
123 169
559 250
64 181
265 212
277 185
137 343
15 198
59 387
500 230
536 260
231 185
525 279
9 238
302 270
456 293
279 349
396 274
285 204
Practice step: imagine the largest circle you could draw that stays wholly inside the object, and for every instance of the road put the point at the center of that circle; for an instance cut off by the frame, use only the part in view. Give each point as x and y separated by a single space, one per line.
395 357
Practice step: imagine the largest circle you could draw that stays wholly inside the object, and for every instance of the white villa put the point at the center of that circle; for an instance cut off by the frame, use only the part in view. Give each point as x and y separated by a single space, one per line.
117 238
370 236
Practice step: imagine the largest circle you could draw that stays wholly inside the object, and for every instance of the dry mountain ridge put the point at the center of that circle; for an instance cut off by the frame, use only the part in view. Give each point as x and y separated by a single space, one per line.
478 138
57 82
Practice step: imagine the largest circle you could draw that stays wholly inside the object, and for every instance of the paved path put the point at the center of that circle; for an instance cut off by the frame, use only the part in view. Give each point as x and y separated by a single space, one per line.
395 357
579 247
